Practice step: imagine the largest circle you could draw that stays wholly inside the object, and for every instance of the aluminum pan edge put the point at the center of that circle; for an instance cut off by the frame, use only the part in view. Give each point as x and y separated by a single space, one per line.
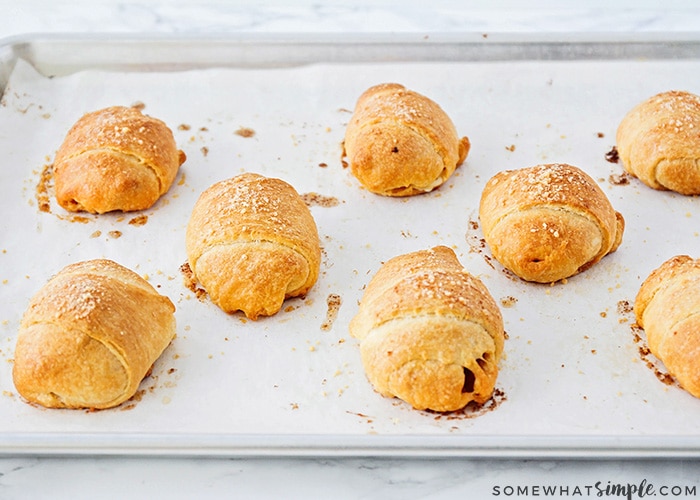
399 446
60 54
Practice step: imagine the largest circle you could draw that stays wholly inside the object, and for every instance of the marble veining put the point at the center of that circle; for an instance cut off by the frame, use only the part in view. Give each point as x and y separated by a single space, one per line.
364 17
82 478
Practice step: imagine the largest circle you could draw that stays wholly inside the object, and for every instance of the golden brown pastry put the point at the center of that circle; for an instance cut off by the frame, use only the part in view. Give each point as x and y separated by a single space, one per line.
89 337
400 143
667 308
548 222
430 333
252 242
658 141
115 159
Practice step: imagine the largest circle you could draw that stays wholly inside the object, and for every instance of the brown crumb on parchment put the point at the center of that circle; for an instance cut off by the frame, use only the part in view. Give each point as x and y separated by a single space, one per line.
626 310
184 126
343 156
368 419
619 179
334 301
473 409
315 199
245 132
477 244
43 194
139 220
624 307
191 282
80 219
131 403
612 156
511 148
43 188
508 301
649 359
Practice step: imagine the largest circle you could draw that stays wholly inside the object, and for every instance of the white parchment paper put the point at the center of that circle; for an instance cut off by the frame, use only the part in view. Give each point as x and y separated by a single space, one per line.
572 364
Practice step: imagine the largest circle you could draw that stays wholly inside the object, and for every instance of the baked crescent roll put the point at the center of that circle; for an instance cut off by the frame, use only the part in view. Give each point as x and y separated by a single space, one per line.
658 141
252 242
89 336
400 143
430 333
667 307
548 222
115 159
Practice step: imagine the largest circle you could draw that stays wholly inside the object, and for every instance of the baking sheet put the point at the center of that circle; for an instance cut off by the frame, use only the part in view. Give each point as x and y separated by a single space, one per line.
573 381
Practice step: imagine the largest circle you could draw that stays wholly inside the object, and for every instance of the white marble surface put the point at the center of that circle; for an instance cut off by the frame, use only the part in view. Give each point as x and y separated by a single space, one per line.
203 16
140 477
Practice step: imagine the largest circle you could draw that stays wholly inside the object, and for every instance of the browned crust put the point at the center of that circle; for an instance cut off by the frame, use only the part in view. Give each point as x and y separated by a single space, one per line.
252 242
658 141
89 336
422 321
548 222
667 306
115 159
401 143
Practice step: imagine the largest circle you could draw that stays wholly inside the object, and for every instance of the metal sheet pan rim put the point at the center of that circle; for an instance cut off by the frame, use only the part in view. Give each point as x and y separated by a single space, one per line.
403 446
320 445
187 51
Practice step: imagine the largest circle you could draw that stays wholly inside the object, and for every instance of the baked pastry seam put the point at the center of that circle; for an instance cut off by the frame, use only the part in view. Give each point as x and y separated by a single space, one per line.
430 333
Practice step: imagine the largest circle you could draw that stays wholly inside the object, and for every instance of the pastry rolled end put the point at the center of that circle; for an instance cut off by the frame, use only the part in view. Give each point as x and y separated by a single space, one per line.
401 143
89 337
430 333
658 141
115 158
667 307
548 222
252 243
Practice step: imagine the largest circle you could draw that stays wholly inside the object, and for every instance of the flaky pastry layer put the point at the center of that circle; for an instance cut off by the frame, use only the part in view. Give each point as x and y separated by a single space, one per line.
89 336
667 307
115 158
430 333
548 222
401 143
252 242
658 141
